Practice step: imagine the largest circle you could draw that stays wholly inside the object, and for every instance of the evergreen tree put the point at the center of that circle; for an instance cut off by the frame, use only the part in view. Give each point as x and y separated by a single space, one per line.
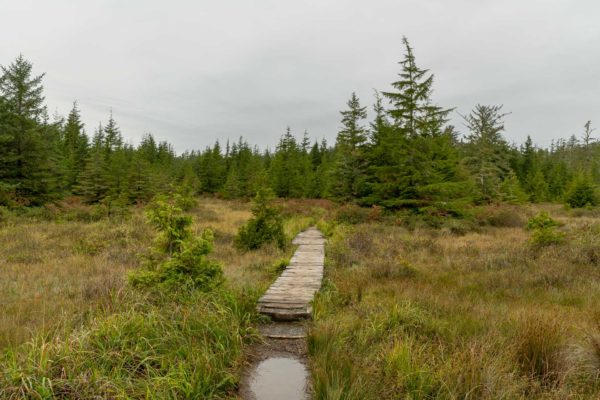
75 147
487 151
350 166
286 168
8 155
113 140
29 162
212 169
148 149
413 157
139 180
582 192
94 180
412 110
537 186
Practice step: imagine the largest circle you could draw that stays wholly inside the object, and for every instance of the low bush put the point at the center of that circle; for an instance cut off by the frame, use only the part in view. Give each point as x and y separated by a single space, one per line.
582 193
544 231
266 225
186 263
184 198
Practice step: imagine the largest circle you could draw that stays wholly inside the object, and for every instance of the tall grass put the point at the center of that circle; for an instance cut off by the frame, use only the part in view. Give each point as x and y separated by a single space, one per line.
414 312
87 335
180 346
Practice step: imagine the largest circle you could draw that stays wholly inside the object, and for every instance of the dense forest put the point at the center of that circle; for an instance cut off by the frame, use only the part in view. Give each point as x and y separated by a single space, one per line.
406 156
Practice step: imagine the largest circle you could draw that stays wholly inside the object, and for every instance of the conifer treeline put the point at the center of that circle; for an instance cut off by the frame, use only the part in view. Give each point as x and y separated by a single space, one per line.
407 156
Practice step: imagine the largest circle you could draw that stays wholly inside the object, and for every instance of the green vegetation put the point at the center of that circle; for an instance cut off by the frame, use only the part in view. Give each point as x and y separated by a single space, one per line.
407 157
422 313
186 264
446 276
74 329
544 231
265 226
582 193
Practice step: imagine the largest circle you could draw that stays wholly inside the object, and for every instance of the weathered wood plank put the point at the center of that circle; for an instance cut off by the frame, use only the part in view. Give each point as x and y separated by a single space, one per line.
290 296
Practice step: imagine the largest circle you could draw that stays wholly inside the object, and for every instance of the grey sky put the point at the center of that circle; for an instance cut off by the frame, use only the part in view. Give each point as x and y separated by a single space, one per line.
194 71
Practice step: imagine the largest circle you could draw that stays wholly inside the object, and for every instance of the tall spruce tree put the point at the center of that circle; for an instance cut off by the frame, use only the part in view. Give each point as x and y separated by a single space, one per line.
487 151
28 160
350 167
411 108
93 181
286 168
75 147
413 157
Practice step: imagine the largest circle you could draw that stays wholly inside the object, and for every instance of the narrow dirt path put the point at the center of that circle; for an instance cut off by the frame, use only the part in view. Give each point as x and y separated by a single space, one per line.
279 363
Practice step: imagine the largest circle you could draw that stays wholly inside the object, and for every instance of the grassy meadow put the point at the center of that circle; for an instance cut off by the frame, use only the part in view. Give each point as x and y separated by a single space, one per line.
72 328
468 310
412 307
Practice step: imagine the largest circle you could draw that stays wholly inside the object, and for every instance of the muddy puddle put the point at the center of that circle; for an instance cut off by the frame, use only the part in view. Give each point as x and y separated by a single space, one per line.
279 378
277 367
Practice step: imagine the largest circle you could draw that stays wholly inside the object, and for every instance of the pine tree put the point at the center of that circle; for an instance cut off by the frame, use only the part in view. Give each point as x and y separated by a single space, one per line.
487 151
113 140
526 166
348 179
582 192
29 162
212 169
139 187
94 180
412 110
148 149
75 147
413 157
286 168
8 155
537 186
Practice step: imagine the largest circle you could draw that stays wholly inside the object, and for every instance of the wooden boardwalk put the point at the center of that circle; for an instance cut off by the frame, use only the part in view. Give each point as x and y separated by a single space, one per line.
289 297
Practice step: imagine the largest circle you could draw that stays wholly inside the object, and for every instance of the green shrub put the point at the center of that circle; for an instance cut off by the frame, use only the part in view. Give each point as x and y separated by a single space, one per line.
266 225
544 231
188 267
174 226
541 221
184 198
186 264
582 193
280 265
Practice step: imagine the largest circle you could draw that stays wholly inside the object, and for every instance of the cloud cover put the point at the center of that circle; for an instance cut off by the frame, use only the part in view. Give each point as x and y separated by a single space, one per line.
191 72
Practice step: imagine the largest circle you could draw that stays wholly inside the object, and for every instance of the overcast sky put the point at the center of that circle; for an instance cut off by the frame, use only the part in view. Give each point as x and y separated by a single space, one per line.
194 71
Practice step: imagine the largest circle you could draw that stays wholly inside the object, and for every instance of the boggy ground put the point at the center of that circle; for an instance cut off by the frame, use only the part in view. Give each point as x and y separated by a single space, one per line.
280 347
72 328
471 310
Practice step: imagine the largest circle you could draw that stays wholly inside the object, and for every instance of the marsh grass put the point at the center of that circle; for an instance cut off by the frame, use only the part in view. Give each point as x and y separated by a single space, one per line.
413 312
71 328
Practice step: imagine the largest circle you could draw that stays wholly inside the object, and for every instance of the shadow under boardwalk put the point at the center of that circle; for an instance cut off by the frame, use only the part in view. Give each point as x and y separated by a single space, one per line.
289 297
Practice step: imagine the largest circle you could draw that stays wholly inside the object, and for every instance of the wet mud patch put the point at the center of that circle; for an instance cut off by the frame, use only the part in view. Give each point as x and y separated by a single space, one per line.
277 366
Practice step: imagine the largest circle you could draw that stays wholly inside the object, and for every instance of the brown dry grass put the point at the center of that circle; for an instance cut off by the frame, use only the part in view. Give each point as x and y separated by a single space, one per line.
479 314
57 273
